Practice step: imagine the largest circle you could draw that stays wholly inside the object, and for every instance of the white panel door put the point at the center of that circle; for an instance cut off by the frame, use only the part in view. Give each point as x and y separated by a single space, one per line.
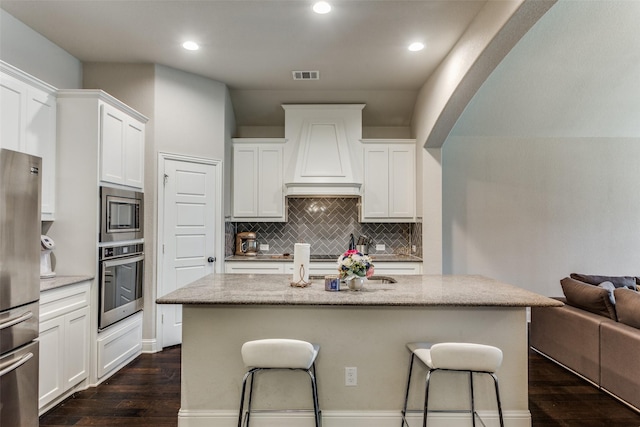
112 134
12 113
402 180
188 235
376 182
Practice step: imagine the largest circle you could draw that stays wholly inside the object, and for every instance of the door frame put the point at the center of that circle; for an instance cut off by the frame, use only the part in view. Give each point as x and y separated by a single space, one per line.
218 226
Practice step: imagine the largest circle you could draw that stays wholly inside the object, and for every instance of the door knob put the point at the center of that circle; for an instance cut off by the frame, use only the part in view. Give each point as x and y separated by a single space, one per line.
211 259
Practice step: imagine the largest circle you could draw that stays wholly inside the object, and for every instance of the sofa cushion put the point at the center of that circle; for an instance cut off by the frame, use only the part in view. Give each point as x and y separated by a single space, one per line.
628 307
618 281
590 298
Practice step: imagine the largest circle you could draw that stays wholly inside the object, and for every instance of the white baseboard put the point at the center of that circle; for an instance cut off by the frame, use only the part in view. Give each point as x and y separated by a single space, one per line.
191 418
150 346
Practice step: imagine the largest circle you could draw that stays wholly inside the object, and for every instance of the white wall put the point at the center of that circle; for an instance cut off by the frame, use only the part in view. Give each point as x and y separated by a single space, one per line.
540 172
29 51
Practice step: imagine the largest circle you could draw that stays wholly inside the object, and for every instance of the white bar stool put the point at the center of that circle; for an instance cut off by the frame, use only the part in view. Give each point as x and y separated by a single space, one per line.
280 354
459 357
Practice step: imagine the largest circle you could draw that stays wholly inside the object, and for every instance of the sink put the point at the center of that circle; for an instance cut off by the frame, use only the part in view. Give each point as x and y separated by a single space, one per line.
375 280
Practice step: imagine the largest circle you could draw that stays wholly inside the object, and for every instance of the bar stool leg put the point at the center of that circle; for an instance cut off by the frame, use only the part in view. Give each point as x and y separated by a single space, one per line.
314 392
473 406
403 421
253 375
244 386
426 398
495 381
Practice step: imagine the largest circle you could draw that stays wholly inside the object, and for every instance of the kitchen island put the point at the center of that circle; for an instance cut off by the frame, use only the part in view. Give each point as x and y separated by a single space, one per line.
367 330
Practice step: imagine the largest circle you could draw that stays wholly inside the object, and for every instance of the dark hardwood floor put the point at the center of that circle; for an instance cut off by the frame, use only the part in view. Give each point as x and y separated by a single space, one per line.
147 393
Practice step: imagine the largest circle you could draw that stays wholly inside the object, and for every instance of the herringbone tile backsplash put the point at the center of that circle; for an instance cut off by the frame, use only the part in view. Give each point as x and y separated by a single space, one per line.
326 223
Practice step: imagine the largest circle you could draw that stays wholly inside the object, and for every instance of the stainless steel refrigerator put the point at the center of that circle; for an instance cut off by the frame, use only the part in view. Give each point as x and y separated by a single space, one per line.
20 185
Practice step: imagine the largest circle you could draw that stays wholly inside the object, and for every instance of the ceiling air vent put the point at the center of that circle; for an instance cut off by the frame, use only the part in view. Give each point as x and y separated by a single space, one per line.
306 75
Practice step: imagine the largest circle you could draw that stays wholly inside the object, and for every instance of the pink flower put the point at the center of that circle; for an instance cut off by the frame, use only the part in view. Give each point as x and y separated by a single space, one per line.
370 272
350 252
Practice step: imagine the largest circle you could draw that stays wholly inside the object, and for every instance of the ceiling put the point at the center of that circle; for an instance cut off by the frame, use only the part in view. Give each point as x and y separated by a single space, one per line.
359 48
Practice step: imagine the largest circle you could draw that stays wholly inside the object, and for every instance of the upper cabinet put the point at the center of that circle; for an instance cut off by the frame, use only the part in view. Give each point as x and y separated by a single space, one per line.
103 127
121 148
28 125
389 189
257 179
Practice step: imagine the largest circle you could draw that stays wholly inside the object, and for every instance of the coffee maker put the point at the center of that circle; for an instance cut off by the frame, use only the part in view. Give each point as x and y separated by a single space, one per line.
246 244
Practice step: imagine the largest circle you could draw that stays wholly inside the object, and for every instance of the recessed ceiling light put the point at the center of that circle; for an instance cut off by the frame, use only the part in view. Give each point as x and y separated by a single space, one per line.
190 45
414 47
322 7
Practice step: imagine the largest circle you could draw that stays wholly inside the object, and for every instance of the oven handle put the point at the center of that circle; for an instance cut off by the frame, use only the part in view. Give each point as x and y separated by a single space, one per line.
24 359
123 260
22 318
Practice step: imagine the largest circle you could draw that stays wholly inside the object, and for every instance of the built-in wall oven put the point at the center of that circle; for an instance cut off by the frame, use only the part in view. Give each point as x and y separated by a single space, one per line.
122 215
121 282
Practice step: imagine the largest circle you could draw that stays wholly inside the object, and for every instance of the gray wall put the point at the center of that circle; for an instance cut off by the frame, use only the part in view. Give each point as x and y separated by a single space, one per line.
29 51
540 172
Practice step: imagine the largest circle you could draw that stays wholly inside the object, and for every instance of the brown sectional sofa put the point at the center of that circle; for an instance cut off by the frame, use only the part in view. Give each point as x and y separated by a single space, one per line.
599 348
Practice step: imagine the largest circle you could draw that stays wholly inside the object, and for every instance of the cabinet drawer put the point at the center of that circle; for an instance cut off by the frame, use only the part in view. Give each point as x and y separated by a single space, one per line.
58 302
254 267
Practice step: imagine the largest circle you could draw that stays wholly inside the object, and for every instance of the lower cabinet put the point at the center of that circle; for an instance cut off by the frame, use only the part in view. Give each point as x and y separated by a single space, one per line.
64 340
384 268
119 344
254 267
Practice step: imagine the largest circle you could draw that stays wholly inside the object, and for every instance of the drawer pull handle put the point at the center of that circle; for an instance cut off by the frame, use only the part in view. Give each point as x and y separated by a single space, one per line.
22 318
24 359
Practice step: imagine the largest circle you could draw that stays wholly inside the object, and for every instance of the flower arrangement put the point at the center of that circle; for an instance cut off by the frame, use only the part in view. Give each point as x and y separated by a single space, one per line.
353 264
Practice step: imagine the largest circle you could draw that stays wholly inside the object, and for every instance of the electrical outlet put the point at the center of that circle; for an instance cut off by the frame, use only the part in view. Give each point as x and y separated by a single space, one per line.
351 376
381 247
264 247
413 248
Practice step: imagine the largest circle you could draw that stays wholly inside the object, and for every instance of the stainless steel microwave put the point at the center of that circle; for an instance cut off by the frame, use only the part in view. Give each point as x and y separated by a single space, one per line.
122 215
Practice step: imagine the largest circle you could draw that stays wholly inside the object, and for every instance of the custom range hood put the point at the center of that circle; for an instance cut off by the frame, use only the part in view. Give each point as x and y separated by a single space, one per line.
323 152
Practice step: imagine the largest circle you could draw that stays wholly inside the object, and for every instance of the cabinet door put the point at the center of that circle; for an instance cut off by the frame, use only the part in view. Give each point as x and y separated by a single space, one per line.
51 381
40 140
375 197
12 113
112 136
245 181
134 154
76 360
402 181
270 182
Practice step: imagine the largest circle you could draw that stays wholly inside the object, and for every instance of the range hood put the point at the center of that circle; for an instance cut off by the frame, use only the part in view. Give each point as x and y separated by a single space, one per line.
323 153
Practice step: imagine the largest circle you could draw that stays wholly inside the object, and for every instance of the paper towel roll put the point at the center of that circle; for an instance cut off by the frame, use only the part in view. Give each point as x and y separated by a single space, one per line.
301 256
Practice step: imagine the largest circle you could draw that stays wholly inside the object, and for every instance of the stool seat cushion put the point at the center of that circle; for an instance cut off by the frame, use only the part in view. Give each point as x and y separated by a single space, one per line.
458 356
279 353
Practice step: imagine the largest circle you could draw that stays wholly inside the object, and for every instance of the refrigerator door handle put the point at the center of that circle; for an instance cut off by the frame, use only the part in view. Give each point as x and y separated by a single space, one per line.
22 318
24 359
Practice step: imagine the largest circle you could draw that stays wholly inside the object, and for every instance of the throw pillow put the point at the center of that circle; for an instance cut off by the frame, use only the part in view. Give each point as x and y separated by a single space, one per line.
618 281
610 288
628 307
587 297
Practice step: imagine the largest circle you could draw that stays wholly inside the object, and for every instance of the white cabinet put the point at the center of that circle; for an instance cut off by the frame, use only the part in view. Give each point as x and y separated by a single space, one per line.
102 129
121 148
28 125
257 179
390 268
254 267
64 341
389 189
319 268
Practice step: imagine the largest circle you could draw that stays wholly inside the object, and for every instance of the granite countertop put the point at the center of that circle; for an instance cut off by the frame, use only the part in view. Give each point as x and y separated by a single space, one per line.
324 258
60 281
410 290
